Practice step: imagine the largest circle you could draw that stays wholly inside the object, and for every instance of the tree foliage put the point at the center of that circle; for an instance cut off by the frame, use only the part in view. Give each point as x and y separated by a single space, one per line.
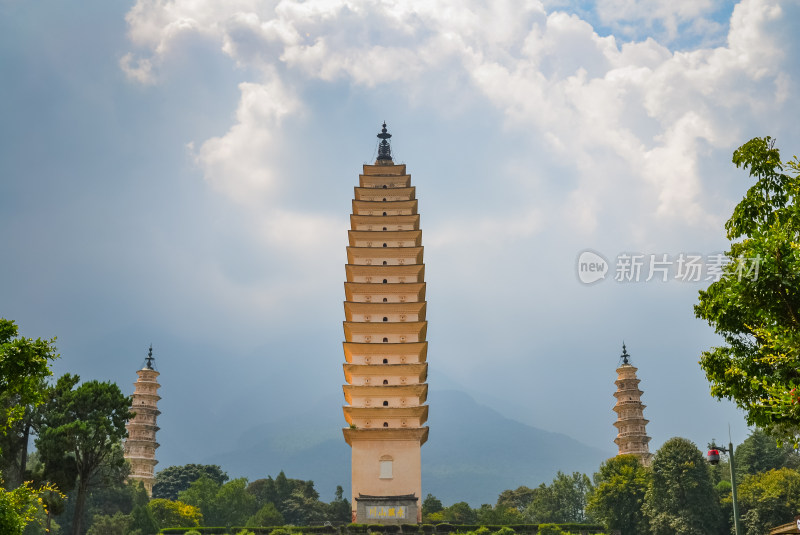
768 499
174 479
269 515
24 366
618 496
202 494
498 515
519 499
116 524
221 505
234 505
759 453
20 508
758 316
431 504
563 501
175 514
143 521
87 423
340 509
24 363
459 513
681 498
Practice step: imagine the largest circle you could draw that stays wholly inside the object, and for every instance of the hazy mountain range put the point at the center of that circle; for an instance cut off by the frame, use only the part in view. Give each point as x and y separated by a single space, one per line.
472 455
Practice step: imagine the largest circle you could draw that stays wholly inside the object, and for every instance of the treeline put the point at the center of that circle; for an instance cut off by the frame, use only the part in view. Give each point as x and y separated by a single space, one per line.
679 493
200 495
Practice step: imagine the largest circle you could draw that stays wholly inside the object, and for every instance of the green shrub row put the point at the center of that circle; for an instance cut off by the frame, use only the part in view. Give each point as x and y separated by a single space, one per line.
361 529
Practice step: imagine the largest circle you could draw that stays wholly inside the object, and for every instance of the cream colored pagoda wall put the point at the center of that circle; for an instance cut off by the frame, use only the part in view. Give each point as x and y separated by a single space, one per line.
631 425
390 379
140 446
393 421
385 232
406 469
377 401
392 317
392 359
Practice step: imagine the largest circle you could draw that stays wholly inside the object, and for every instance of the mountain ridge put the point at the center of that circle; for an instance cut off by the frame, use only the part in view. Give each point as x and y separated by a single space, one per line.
473 454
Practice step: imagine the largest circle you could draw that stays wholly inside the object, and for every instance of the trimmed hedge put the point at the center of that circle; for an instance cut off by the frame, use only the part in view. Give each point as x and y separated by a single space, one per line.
389 529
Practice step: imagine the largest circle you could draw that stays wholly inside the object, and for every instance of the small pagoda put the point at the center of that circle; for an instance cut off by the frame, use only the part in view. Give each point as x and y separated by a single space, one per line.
631 426
140 446
385 347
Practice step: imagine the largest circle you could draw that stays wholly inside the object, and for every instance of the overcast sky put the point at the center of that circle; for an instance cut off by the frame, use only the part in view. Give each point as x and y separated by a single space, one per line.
180 173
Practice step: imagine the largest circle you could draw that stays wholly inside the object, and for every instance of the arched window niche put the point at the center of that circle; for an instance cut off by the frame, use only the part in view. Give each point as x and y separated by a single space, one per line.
385 464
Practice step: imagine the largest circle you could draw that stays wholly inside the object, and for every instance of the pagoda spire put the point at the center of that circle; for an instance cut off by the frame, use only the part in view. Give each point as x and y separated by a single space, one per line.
149 360
631 425
385 347
384 147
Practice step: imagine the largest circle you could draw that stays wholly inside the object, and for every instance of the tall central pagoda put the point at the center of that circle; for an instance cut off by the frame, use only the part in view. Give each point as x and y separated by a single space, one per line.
385 348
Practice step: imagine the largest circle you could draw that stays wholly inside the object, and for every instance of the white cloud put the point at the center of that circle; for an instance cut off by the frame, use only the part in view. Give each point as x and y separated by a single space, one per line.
620 112
140 70
240 163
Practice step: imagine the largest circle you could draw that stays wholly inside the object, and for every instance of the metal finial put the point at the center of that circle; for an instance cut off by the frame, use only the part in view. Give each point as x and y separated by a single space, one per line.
150 358
624 354
384 148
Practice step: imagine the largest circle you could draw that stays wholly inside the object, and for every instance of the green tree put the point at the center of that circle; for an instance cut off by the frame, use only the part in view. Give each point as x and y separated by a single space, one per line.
519 499
758 316
681 498
222 505
283 489
264 491
498 515
202 494
619 489
143 521
759 453
117 524
269 515
234 505
24 363
563 501
303 507
88 422
460 513
174 479
431 504
20 508
295 499
111 491
174 514
14 453
339 508
769 499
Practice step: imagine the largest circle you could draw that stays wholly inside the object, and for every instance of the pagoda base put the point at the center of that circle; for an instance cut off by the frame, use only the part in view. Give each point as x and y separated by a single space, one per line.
387 509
